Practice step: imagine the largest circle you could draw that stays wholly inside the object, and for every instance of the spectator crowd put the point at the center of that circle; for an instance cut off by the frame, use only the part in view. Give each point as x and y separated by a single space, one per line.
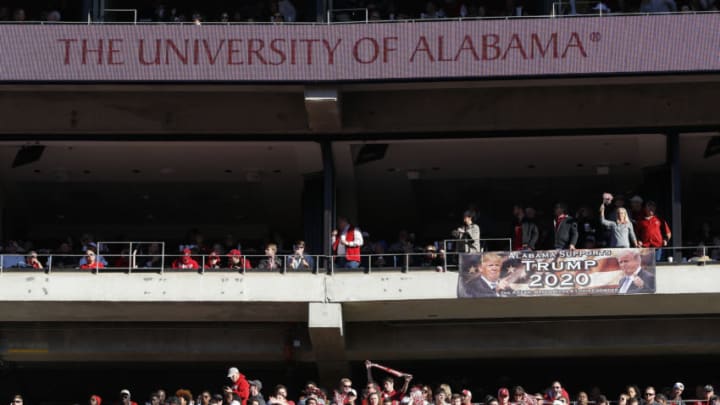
614 224
278 11
239 390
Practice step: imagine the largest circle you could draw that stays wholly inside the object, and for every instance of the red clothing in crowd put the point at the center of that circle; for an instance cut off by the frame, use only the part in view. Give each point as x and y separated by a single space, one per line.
651 231
563 393
352 253
35 265
96 265
242 263
394 396
185 263
241 388
517 238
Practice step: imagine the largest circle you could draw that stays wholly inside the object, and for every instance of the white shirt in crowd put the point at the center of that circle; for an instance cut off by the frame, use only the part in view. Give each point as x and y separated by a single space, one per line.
358 240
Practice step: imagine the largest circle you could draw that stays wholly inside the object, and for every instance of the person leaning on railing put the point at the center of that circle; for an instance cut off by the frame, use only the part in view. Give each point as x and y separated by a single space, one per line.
185 261
91 261
299 260
236 261
468 235
347 241
271 261
31 260
433 258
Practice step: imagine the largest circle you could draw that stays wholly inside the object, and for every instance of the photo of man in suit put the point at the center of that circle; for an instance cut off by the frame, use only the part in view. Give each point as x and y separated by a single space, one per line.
635 280
487 283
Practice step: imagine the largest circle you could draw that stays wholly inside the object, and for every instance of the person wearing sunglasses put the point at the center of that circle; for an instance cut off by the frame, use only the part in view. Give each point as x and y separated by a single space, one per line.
342 394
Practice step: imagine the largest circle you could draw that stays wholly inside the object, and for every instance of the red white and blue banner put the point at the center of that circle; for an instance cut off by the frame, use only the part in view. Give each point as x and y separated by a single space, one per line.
557 272
350 52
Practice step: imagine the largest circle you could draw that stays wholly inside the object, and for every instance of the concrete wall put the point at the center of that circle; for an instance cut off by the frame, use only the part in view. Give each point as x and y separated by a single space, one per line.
364 297
331 320
658 101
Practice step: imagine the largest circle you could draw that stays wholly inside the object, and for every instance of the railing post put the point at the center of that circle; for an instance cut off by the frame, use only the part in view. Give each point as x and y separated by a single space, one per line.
162 260
130 259
284 269
332 265
370 257
407 262
202 264
243 264
445 256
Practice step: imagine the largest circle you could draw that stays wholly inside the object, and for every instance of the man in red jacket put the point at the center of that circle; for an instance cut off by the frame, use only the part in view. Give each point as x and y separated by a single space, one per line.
652 232
240 385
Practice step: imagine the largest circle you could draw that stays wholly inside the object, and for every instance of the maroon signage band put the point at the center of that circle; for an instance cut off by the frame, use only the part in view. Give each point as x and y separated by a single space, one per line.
383 51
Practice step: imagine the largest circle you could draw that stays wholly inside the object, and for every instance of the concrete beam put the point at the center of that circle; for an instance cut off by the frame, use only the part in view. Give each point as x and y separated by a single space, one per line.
323 109
165 342
325 323
533 338
262 297
491 106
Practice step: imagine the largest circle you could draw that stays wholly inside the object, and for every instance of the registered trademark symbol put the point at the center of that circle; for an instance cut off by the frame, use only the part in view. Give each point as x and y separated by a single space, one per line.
595 36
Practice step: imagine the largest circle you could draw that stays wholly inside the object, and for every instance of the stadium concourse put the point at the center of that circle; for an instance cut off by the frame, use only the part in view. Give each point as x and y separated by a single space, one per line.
491 209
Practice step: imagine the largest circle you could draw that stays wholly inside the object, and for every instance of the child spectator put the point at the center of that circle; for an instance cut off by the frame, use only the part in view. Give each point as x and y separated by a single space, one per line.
186 261
271 262
91 261
299 260
236 261
213 261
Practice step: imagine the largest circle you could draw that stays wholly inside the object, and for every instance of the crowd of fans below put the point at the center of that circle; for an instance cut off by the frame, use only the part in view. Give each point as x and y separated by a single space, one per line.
278 11
612 225
239 390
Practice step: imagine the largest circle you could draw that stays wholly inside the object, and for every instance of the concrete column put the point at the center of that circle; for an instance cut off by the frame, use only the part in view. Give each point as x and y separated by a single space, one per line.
345 183
673 158
328 196
325 324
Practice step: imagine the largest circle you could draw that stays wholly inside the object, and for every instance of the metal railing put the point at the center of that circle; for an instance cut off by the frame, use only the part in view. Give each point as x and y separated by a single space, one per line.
452 248
89 21
134 260
700 255
132 11
564 8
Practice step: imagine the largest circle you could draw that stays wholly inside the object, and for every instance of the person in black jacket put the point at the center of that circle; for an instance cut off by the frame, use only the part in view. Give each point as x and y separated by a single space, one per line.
525 232
566 232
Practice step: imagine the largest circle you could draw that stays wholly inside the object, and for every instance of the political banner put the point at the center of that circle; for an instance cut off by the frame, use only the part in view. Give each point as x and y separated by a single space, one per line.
557 273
